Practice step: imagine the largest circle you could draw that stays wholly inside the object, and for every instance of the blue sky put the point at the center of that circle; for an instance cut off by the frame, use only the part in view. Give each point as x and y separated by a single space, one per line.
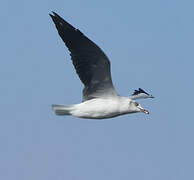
150 45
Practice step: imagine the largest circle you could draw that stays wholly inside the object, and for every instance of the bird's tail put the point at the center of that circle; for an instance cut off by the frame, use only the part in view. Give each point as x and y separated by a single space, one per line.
62 109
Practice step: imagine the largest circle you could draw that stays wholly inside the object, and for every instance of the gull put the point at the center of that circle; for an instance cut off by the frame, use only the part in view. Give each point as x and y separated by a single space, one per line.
100 100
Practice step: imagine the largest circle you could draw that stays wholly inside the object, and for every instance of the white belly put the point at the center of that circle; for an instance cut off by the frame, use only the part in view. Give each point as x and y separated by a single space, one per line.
97 109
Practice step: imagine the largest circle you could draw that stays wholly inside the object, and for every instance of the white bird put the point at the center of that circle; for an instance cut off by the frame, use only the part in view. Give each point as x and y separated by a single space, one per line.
100 99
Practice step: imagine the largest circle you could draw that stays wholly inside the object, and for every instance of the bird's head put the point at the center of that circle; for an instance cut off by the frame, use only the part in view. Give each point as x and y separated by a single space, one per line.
136 107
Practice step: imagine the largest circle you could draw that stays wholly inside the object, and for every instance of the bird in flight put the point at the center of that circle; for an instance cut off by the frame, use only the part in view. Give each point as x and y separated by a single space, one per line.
100 100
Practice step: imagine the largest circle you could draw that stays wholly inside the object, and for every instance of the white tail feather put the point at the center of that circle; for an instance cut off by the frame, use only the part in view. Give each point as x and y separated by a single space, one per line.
62 109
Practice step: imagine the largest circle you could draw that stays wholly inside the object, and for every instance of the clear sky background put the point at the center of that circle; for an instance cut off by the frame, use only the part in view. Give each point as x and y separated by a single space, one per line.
150 44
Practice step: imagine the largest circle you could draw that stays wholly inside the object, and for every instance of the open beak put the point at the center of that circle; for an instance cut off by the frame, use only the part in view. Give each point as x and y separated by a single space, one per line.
144 110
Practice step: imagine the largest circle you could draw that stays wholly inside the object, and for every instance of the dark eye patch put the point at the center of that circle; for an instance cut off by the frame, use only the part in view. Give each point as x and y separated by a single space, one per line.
136 104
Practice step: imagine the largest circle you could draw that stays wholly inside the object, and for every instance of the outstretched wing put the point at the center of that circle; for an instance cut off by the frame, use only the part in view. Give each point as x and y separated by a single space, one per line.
140 94
90 62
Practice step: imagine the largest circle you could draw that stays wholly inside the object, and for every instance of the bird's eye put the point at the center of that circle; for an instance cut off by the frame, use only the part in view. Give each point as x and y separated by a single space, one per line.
136 104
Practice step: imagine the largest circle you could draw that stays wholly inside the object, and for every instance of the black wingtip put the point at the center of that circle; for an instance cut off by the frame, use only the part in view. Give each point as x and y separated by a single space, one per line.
142 91
56 18
55 15
139 91
52 14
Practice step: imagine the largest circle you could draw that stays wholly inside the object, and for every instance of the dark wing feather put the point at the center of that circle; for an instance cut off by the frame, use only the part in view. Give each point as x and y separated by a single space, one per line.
90 62
139 91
